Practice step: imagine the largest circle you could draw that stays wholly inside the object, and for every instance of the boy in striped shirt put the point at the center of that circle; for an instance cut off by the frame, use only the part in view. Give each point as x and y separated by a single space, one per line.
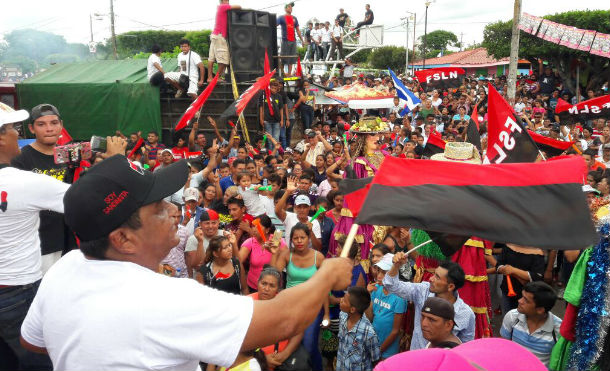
532 325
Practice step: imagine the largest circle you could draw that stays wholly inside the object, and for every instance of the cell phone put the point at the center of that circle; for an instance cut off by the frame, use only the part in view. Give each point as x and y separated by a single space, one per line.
98 144
277 237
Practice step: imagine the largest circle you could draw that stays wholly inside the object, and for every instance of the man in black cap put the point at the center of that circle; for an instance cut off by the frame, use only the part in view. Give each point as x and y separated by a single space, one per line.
46 125
437 323
120 314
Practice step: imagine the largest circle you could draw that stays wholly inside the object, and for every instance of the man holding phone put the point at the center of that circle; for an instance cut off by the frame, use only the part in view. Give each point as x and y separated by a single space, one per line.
46 125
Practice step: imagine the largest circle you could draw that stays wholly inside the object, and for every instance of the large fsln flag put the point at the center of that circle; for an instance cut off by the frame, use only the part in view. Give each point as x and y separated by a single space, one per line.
583 111
237 107
507 138
434 145
405 94
196 105
531 204
441 78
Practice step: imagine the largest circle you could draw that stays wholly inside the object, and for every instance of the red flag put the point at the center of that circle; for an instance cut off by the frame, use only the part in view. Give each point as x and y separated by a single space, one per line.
64 137
552 147
441 78
299 72
237 107
196 105
583 111
507 139
266 70
138 145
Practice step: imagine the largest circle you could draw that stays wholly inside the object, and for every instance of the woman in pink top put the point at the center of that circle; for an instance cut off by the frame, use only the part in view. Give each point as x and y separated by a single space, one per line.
257 251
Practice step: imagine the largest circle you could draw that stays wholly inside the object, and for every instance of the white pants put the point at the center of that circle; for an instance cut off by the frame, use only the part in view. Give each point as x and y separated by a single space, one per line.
175 76
48 260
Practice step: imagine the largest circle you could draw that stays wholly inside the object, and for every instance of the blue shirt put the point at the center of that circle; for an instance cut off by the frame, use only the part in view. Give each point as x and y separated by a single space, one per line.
225 183
540 342
384 309
358 347
418 293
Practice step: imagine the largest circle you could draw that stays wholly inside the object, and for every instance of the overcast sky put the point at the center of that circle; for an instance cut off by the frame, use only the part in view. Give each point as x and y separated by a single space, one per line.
70 18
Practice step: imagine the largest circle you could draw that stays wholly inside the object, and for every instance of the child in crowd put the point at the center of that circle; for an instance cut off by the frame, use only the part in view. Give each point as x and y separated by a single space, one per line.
358 344
387 311
252 200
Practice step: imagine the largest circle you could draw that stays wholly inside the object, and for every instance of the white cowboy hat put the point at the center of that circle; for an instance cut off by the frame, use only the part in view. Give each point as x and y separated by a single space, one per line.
459 152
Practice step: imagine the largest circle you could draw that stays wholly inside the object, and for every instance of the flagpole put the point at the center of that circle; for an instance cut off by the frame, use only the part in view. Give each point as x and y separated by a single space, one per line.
349 240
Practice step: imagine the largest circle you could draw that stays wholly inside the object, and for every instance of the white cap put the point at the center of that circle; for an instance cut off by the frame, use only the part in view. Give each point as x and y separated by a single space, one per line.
588 189
9 115
191 194
302 200
386 262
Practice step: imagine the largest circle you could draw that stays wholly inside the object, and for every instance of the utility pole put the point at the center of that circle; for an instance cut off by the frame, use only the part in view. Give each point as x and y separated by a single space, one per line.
112 29
425 33
414 23
514 53
407 47
461 38
91 27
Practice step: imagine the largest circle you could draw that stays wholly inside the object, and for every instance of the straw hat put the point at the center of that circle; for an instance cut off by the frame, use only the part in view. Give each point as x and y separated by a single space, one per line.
370 125
459 152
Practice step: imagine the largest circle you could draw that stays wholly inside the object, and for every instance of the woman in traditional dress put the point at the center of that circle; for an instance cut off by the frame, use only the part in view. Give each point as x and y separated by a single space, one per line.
367 159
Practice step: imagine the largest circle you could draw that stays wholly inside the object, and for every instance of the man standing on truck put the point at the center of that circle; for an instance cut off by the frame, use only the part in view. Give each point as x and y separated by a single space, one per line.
219 50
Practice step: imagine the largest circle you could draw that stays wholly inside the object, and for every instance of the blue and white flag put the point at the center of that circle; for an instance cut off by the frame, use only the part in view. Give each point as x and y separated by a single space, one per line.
405 94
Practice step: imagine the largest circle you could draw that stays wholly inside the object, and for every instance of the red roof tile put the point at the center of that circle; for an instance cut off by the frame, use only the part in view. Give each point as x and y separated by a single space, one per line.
477 56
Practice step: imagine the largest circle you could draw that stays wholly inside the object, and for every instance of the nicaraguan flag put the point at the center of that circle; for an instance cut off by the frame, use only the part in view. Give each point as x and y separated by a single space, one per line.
404 93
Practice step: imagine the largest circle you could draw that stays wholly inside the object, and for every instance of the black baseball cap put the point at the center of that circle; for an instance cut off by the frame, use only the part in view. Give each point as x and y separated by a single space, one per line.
439 307
110 192
44 109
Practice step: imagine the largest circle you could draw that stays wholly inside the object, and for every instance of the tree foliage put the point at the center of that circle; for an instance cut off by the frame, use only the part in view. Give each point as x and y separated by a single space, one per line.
594 70
437 40
135 42
389 57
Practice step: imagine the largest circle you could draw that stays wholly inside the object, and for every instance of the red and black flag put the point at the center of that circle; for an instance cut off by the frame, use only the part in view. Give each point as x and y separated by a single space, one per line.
354 191
531 204
237 107
552 147
583 111
196 105
440 78
434 145
507 137
266 70
473 134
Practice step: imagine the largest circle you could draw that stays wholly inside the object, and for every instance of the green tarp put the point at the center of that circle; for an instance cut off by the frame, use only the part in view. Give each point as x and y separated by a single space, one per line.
98 97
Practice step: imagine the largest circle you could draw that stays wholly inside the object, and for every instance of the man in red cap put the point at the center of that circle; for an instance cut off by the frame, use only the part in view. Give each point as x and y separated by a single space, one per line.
197 244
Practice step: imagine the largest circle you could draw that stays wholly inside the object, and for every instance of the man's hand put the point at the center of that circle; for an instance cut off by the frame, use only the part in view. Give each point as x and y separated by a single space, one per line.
115 146
200 83
231 237
211 121
339 271
244 226
399 259
198 234
291 184
505 269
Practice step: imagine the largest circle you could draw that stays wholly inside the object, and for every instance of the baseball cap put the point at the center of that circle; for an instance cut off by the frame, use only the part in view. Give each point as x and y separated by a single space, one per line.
438 307
208 214
8 115
191 194
166 150
489 354
108 194
44 109
302 200
606 146
310 133
588 189
386 262
289 4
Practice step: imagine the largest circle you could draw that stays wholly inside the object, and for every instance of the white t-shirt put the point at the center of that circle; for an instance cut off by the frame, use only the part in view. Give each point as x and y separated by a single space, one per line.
24 195
291 220
316 35
326 34
151 65
122 316
337 31
437 102
192 243
183 63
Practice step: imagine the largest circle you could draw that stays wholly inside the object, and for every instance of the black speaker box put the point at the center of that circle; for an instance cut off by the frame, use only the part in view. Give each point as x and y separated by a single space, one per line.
249 33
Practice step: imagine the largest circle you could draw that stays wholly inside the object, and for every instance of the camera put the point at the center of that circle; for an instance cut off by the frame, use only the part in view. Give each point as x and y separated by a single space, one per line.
72 153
